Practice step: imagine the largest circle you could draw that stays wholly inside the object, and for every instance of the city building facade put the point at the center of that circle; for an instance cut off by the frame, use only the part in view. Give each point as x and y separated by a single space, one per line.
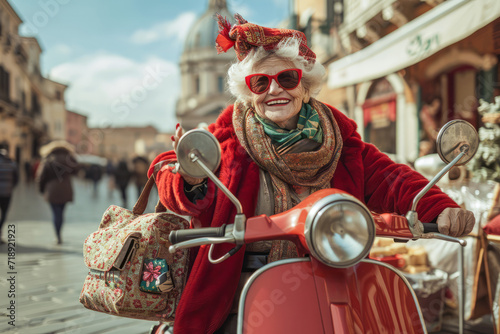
76 130
125 143
32 108
54 109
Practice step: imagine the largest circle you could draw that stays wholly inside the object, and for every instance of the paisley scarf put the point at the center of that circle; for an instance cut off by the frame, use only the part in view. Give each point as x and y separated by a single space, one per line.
307 127
306 169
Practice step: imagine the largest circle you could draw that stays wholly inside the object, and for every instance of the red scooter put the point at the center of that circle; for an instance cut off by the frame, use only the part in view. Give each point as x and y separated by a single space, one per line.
332 287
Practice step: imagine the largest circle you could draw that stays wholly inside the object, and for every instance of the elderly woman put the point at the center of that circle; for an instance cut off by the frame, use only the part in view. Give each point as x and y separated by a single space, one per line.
279 145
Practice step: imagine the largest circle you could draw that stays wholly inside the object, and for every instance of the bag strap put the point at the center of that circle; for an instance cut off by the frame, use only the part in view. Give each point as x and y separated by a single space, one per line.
142 201
160 207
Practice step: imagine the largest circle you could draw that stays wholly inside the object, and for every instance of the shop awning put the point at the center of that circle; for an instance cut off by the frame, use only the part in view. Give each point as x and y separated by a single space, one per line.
447 23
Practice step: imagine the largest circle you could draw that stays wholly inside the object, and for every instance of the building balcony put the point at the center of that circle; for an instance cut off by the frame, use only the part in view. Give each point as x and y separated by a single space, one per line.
359 12
7 106
20 54
7 44
367 21
325 45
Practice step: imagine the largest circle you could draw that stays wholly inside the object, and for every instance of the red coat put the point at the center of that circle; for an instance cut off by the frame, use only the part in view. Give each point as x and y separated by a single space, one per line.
362 171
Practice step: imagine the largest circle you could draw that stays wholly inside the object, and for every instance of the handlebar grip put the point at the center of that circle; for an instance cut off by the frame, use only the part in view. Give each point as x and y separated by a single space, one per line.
204 232
430 228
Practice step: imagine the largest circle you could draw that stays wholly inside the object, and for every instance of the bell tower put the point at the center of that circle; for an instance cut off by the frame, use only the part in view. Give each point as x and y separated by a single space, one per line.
216 4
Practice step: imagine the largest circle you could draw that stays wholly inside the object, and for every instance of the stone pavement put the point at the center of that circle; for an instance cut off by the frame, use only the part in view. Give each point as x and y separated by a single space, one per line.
48 278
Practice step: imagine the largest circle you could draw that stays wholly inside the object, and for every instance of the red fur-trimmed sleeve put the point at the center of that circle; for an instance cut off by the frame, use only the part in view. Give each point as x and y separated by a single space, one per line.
171 189
383 185
171 186
391 187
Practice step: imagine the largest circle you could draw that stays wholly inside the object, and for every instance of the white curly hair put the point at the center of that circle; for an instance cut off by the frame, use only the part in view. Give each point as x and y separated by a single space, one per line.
288 50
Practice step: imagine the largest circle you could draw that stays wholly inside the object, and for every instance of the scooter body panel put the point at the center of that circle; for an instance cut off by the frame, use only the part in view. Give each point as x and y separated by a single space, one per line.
370 297
305 296
389 303
280 298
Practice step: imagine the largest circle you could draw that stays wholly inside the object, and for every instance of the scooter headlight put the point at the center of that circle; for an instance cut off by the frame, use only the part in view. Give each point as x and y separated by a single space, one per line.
339 230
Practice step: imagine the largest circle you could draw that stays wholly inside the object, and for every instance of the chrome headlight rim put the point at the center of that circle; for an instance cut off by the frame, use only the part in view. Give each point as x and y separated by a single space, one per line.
322 206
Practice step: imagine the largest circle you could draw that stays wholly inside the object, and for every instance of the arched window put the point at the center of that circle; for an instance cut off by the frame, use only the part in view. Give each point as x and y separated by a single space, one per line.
379 112
197 84
4 84
1 17
220 84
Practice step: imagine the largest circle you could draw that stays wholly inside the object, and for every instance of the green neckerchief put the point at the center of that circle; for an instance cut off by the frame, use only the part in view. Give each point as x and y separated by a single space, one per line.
307 127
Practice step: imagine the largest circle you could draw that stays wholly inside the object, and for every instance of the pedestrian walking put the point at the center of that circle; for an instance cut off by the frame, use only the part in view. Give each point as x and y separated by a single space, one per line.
27 172
122 179
110 172
54 179
34 166
140 173
94 174
8 180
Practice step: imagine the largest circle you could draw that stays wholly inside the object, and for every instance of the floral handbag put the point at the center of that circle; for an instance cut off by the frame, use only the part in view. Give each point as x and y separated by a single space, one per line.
131 273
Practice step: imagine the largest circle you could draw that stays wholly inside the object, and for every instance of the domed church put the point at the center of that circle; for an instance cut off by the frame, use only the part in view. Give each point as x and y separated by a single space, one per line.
203 72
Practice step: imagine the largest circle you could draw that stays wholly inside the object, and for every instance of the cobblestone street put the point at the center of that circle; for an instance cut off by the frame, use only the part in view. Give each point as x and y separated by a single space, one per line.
48 278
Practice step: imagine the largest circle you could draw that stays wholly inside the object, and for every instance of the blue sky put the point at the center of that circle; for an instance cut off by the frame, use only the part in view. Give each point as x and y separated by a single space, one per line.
120 58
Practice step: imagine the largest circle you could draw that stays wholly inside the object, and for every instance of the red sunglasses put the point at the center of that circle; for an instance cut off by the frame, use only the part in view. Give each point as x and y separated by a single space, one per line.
287 79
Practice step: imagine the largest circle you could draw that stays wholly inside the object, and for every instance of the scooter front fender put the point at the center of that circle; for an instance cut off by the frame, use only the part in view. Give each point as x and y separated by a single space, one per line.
304 296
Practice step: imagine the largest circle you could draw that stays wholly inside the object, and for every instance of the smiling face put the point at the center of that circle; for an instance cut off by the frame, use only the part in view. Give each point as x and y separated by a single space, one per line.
278 105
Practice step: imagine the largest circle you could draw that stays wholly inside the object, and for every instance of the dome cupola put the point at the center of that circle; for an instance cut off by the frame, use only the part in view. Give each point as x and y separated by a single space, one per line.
205 30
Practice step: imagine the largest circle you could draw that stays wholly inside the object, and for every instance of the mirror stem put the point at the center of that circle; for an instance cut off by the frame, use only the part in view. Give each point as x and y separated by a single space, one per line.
220 185
438 177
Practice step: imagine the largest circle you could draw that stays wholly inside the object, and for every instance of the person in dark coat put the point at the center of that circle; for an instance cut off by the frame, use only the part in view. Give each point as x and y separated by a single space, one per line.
110 172
57 167
94 174
122 179
8 180
140 173
27 171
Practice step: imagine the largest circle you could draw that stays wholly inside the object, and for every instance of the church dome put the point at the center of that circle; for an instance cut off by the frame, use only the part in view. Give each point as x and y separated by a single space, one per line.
205 30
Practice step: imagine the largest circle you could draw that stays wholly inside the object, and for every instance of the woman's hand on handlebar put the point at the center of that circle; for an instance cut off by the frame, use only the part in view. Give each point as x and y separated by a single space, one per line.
455 222
179 132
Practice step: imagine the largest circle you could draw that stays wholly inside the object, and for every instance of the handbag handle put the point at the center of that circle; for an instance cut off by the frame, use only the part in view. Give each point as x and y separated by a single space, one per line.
142 201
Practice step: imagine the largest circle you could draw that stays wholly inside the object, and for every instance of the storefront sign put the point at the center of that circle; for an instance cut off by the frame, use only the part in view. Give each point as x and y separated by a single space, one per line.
421 47
381 115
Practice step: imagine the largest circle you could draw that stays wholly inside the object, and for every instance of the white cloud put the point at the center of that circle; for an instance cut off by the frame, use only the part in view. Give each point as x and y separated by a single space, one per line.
115 91
177 28
58 53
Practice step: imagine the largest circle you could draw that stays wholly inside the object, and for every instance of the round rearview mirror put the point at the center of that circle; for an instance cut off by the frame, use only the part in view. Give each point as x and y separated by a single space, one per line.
204 146
453 138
